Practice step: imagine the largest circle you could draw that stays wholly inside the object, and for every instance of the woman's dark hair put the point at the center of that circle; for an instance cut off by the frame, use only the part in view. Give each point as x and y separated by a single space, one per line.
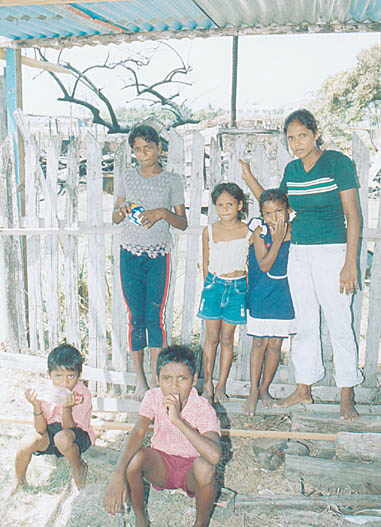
180 354
67 357
236 192
148 133
272 194
306 118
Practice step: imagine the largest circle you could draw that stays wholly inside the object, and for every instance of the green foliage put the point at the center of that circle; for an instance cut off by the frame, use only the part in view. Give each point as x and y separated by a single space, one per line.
351 98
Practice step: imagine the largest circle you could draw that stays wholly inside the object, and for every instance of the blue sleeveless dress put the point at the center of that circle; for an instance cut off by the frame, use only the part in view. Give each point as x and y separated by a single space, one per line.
271 313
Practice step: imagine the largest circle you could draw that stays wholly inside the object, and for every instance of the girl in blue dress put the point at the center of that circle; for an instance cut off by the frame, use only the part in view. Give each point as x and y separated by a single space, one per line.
271 313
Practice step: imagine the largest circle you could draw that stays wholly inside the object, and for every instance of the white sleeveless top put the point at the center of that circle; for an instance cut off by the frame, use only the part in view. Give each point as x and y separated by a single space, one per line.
227 256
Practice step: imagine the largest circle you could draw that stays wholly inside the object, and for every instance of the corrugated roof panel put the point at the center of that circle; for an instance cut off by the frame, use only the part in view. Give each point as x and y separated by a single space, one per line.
290 12
152 15
100 18
182 17
37 22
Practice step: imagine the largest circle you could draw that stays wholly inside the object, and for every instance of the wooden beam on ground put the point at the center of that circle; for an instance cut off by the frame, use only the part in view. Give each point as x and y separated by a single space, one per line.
345 503
334 474
323 421
33 63
232 432
27 362
358 447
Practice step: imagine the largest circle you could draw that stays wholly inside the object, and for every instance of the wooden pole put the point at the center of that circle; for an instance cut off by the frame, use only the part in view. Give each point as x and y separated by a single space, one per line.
232 432
233 103
39 64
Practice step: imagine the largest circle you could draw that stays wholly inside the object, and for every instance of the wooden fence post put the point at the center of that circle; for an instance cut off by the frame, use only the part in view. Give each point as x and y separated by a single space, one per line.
96 256
119 316
70 249
193 240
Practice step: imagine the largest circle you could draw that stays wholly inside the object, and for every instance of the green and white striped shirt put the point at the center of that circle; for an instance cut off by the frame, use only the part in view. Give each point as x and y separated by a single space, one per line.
315 197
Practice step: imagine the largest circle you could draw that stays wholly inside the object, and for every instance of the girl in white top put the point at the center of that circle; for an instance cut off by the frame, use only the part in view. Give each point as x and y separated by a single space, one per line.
223 299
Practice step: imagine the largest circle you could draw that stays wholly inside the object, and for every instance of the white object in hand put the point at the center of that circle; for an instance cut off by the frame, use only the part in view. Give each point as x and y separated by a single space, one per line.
54 394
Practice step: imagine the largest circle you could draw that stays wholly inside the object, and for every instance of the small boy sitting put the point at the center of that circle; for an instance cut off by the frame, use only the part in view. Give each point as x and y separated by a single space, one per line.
185 446
62 421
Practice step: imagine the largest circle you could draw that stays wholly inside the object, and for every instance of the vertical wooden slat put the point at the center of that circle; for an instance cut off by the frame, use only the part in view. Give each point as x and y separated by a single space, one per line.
361 158
70 248
193 240
12 298
96 256
49 243
373 335
175 163
33 244
119 315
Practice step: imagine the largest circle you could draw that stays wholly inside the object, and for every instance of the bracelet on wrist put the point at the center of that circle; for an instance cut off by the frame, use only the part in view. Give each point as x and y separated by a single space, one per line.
37 413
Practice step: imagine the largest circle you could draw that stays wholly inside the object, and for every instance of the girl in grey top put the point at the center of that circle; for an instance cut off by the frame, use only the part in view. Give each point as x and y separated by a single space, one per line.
145 247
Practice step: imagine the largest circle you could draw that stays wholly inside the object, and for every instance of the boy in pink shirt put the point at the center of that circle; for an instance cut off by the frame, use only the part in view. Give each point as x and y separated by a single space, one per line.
185 446
61 417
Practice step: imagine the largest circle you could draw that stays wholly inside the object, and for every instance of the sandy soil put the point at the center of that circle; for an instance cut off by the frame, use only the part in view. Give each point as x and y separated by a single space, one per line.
51 501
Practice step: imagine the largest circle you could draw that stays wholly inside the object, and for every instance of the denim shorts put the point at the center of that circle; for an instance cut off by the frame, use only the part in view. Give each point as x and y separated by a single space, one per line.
223 300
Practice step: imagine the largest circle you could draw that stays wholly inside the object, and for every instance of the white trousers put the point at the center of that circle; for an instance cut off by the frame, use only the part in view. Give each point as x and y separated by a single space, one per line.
313 275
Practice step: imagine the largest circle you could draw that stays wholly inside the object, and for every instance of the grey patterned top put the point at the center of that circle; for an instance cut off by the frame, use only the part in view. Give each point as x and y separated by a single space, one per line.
164 190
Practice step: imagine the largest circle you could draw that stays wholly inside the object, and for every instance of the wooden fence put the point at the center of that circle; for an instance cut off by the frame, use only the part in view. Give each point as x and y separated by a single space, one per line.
69 287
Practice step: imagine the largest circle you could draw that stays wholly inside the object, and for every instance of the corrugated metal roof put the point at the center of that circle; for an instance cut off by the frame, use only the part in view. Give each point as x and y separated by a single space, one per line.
84 22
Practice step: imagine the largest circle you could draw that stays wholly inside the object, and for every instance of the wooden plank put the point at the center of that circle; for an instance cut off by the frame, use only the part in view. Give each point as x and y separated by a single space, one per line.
342 502
95 256
33 245
49 244
175 163
33 63
70 248
119 315
232 432
193 242
324 421
361 158
358 447
12 295
334 474
373 334
3 110
33 363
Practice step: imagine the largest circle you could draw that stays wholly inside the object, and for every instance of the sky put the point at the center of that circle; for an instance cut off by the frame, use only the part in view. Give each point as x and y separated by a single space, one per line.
273 70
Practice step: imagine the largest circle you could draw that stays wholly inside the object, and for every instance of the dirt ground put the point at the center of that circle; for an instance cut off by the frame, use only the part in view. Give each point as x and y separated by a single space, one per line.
51 501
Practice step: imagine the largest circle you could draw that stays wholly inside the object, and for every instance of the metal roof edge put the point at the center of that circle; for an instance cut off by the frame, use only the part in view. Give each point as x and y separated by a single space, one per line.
94 40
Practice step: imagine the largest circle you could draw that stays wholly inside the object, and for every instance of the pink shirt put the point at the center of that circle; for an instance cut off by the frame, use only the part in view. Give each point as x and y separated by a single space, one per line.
166 436
81 412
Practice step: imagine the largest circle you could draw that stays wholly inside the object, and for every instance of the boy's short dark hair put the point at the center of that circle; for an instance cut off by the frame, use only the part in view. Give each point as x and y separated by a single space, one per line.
148 133
181 354
67 357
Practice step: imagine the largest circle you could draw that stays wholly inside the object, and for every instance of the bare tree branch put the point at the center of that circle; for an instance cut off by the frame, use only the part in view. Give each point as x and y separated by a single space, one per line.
131 67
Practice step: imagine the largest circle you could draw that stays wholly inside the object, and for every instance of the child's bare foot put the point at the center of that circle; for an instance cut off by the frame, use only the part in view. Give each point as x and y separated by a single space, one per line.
266 399
141 520
154 381
220 396
140 390
347 406
302 394
250 405
208 392
18 485
80 475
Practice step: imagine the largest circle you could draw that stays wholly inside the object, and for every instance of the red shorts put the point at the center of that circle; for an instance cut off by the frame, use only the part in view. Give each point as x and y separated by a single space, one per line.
177 469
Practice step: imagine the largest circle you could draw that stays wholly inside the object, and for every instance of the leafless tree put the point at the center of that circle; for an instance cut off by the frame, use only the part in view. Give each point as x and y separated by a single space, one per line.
153 93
